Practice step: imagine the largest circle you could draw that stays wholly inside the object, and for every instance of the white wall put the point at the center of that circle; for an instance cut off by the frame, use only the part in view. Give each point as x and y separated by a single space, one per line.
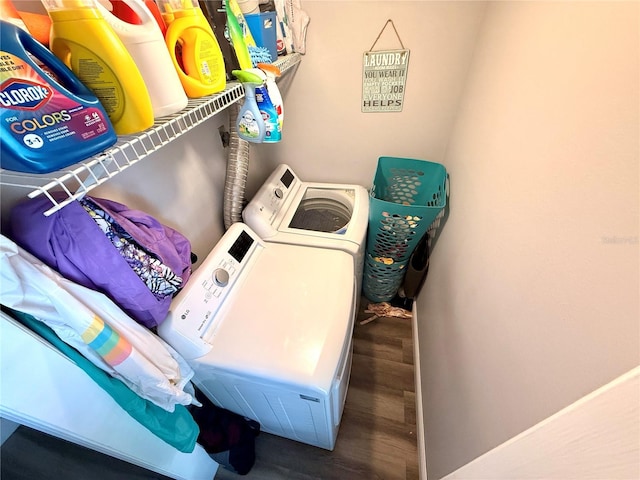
594 438
325 135
532 295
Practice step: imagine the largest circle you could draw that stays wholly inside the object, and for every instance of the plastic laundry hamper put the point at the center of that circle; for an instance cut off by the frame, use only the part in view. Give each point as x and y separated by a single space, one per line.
406 197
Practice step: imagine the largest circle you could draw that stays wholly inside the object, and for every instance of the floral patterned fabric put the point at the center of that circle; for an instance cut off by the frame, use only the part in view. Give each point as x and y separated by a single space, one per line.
158 277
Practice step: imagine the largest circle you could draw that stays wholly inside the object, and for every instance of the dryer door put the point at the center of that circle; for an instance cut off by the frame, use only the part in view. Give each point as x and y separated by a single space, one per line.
326 210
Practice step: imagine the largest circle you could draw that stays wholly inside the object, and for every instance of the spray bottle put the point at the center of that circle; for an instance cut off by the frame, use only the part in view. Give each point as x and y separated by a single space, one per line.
46 122
250 124
268 111
198 60
145 44
271 71
86 43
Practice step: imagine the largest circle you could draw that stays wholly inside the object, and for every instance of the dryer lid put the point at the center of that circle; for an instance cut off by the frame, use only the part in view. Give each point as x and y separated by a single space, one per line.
289 318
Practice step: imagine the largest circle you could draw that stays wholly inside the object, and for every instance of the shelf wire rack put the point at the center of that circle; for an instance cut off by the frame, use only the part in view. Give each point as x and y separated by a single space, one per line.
77 180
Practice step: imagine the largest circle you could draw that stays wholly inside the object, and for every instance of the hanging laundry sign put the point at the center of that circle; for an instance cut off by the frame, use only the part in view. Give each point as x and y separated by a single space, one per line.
384 74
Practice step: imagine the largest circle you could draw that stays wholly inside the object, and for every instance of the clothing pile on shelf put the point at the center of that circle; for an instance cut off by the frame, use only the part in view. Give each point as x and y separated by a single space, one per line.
95 279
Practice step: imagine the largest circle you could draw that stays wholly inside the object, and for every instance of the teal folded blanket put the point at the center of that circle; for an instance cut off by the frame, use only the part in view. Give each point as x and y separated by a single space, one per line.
177 428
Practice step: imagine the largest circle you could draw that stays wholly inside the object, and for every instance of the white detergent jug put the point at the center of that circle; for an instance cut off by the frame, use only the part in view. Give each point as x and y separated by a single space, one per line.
145 43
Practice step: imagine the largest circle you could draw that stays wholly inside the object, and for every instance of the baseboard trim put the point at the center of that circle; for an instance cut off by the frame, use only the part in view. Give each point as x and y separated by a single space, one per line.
422 447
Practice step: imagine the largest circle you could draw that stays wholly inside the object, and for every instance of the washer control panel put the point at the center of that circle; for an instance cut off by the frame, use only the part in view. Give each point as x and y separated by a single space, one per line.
271 200
192 321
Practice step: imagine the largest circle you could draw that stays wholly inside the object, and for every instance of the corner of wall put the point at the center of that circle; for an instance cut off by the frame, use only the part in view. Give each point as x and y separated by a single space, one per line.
7 427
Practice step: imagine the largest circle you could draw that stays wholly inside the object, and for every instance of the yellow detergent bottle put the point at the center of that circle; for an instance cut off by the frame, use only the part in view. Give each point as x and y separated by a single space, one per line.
193 48
86 43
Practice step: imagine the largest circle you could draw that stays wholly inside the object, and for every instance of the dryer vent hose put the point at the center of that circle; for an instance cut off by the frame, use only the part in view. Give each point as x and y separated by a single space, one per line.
237 171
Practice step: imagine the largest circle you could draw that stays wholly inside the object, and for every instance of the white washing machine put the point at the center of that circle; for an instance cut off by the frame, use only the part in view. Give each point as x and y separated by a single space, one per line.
326 215
267 329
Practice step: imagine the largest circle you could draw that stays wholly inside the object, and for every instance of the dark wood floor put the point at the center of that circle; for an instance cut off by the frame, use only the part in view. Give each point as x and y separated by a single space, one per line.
377 437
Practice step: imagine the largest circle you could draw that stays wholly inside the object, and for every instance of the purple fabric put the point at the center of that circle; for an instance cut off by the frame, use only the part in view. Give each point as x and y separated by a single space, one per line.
70 242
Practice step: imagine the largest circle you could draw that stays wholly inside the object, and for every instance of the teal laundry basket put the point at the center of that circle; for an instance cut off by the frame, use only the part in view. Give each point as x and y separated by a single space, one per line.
406 198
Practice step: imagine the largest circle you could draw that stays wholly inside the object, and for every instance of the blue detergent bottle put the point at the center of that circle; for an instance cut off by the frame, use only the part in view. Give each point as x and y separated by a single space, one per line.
49 120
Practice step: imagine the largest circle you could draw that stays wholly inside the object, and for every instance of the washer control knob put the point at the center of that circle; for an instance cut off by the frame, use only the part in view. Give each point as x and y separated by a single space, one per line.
221 277
278 192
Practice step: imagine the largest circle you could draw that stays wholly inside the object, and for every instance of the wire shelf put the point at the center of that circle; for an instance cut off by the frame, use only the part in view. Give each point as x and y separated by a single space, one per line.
84 176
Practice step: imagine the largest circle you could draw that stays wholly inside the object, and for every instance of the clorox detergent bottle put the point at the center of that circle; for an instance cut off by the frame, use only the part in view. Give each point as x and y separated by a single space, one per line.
193 48
86 43
47 122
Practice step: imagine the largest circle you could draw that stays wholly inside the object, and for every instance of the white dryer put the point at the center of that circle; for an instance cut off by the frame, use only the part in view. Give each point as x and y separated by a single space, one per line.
326 215
267 329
